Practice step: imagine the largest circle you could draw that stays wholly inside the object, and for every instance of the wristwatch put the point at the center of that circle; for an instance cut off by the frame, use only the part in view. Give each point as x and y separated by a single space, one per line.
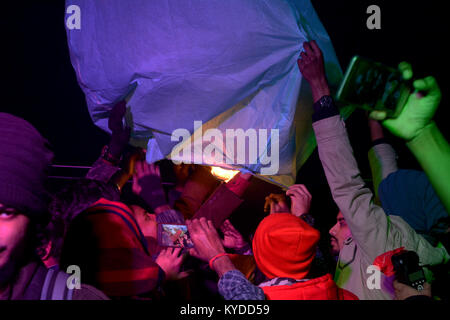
106 155
326 102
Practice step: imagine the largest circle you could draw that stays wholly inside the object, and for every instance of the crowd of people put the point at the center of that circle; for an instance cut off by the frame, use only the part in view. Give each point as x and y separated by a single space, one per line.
114 240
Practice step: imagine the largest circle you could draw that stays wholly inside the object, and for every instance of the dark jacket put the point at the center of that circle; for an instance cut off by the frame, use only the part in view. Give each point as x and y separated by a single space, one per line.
30 280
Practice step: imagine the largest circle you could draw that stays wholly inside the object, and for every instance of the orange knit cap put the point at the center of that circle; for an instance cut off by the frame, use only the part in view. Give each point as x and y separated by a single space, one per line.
284 246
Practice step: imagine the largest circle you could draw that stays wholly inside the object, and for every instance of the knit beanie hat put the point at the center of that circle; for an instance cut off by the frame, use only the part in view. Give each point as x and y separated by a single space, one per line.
284 246
24 159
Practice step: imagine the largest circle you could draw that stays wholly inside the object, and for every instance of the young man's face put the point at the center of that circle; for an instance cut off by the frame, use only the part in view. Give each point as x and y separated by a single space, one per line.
339 233
13 231
146 221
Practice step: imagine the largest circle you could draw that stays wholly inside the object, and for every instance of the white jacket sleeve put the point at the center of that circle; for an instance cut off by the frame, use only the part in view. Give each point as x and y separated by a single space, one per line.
368 222
372 230
383 161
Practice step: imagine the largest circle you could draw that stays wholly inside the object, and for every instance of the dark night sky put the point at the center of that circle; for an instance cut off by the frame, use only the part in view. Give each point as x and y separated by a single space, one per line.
39 83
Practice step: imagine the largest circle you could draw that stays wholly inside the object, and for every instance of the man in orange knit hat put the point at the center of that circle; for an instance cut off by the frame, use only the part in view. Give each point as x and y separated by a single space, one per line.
284 246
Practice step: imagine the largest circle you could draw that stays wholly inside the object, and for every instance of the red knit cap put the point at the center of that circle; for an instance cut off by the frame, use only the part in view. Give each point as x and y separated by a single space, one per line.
284 246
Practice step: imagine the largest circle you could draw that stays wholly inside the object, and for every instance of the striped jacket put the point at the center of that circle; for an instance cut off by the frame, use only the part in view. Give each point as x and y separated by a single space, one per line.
108 245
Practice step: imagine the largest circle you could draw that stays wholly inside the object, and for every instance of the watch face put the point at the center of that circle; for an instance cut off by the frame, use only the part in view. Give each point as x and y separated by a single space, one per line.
325 101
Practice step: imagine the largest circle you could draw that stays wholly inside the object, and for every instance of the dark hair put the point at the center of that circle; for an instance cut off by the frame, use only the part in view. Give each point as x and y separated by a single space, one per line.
38 235
70 202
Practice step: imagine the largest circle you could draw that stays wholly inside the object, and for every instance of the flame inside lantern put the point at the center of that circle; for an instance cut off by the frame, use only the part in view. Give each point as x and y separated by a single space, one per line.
223 174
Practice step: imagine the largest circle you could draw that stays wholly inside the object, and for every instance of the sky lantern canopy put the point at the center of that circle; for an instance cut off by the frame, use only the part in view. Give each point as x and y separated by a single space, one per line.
210 82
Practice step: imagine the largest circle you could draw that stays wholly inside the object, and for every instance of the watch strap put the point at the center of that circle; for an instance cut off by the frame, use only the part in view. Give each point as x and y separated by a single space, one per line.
324 108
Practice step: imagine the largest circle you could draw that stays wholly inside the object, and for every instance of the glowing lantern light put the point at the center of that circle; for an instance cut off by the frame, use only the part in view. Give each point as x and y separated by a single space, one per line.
223 174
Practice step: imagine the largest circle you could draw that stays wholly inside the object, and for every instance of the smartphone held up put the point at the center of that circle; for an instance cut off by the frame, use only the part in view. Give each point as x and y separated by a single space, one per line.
374 86
174 235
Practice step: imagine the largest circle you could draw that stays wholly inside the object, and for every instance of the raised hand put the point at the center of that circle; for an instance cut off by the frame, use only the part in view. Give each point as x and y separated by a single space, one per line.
277 203
120 135
170 261
147 184
232 238
207 243
418 110
300 199
311 65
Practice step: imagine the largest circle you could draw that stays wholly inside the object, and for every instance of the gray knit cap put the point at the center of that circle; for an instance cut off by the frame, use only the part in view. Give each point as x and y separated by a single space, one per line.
24 160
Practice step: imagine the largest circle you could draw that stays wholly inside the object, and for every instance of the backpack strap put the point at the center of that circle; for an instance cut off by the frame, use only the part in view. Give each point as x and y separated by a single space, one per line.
33 291
55 286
